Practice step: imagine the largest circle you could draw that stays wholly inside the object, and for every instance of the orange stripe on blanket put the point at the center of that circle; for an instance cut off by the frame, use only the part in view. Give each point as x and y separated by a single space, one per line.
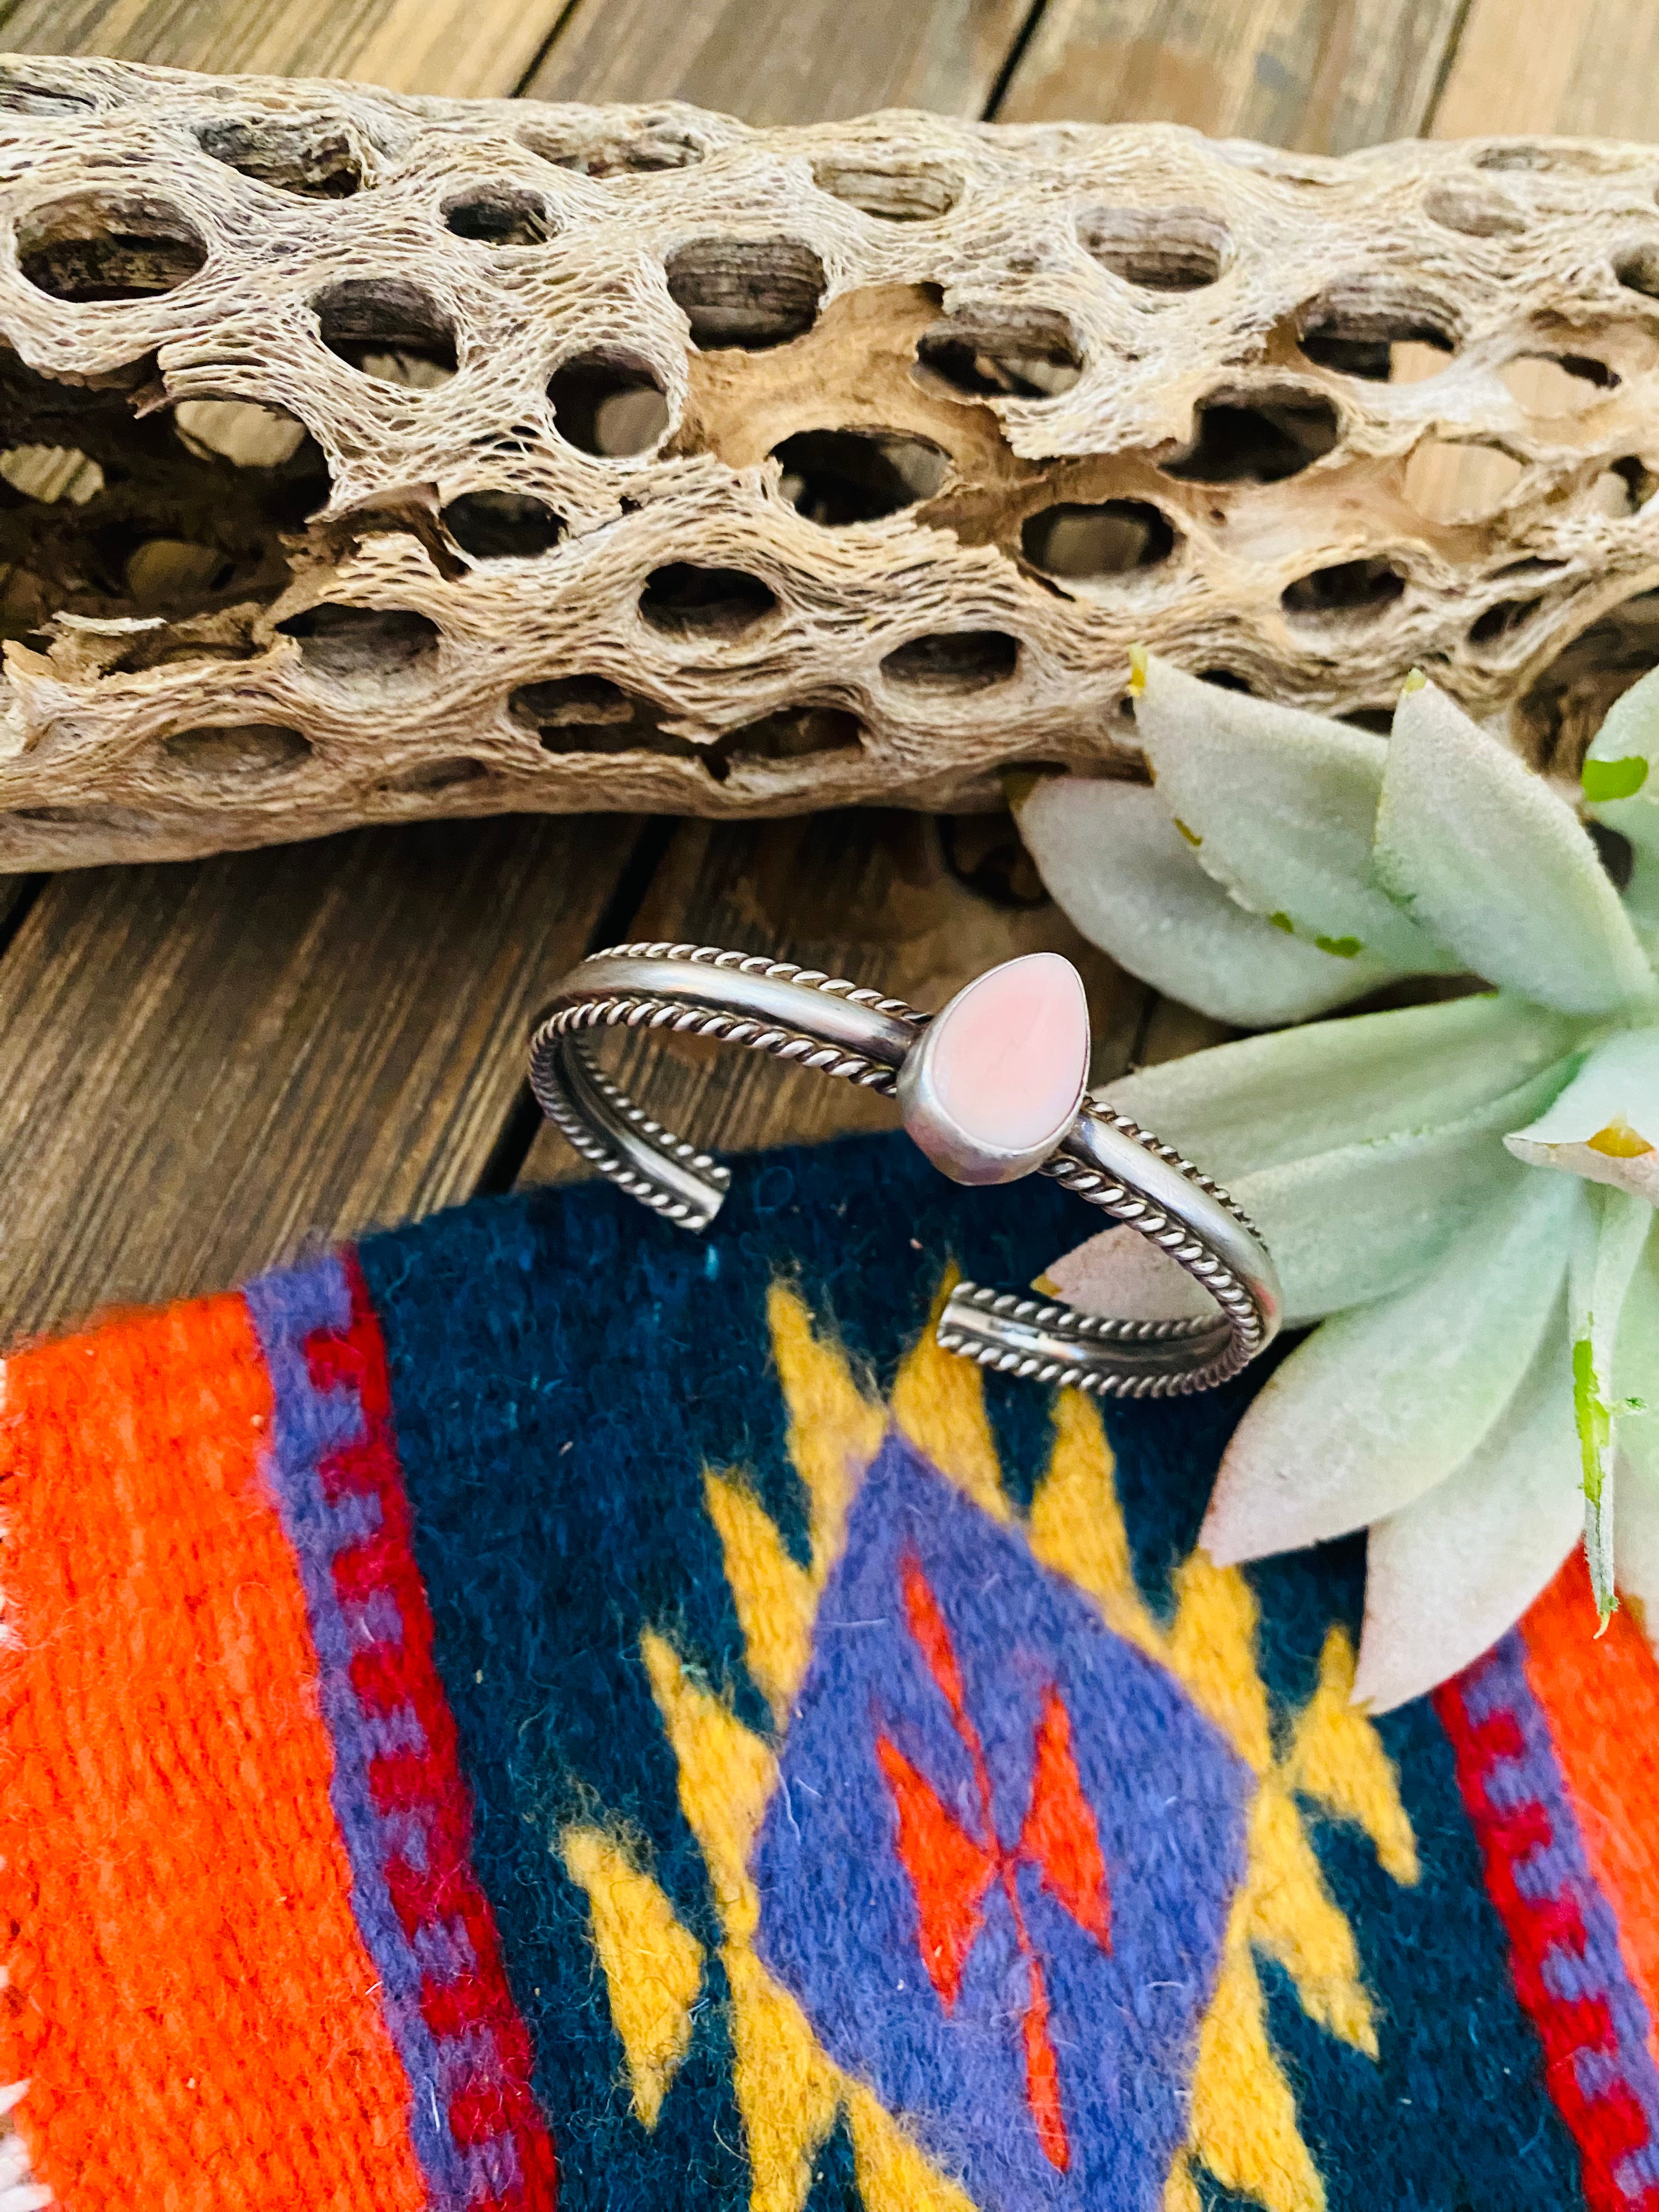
188 1990
1602 1700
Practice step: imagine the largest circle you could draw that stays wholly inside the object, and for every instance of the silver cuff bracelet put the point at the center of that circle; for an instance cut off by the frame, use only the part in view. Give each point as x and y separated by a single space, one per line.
882 1045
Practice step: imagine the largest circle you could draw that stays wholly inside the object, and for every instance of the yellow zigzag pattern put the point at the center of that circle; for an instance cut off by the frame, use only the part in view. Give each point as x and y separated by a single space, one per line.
1243 2121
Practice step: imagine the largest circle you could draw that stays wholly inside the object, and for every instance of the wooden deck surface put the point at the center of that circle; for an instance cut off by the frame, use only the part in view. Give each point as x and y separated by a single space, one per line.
207 1065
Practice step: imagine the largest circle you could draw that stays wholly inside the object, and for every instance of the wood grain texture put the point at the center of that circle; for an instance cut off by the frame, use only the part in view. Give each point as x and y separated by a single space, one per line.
468 47
1321 76
911 904
784 61
1581 68
208 1065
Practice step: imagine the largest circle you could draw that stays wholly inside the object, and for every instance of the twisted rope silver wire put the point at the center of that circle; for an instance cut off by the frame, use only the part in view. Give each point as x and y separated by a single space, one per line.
1247 1333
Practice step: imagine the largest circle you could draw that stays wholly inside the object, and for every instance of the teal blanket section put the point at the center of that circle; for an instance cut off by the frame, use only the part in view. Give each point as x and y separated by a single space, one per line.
565 1370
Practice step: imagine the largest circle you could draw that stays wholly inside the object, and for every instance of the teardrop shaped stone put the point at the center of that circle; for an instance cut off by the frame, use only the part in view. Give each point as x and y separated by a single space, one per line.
1005 1065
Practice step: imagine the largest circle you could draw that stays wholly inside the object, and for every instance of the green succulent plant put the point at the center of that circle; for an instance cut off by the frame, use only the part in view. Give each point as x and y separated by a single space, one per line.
1461 1193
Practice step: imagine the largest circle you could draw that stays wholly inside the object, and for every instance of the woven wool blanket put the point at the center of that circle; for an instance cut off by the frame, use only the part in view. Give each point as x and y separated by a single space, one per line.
542 1708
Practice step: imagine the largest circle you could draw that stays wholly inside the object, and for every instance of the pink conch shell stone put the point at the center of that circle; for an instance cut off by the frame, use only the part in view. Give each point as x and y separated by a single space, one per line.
1003 1069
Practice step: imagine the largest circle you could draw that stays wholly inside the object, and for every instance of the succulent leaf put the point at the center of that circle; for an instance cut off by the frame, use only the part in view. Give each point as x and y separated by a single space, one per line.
1110 855
1605 1124
1347 1226
1450 1572
1240 1108
1280 807
1613 1233
1385 1400
1483 854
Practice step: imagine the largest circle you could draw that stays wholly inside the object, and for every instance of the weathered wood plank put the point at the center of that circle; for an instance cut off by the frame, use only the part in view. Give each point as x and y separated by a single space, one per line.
784 61
208 1064
1584 68
873 896
1324 76
467 47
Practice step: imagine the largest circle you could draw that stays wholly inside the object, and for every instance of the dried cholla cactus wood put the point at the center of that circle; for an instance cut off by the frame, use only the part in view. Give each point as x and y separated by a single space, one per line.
369 457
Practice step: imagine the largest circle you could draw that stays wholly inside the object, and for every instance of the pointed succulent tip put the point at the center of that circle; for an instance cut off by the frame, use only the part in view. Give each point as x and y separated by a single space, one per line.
1137 671
1218 1545
1416 681
1018 785
1605 1608
1604 780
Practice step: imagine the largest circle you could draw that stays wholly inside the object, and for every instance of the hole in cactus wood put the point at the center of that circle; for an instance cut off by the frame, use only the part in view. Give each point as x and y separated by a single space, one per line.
502 526
1350 329
571 701
1112 539
312 160
953 660
388 329
1474 209
838 477
893 195
794 734
1379 721
107 246
85 487
1449 482
1626 488
608 403
1347 591
239 431
661 142
501 215
1526 157
1226 679
997 352
1638 268
591 715
1566 704
751 293
1556 384
361 645
1501 620
1262 442
437 776
1179 249
238 752
684 601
